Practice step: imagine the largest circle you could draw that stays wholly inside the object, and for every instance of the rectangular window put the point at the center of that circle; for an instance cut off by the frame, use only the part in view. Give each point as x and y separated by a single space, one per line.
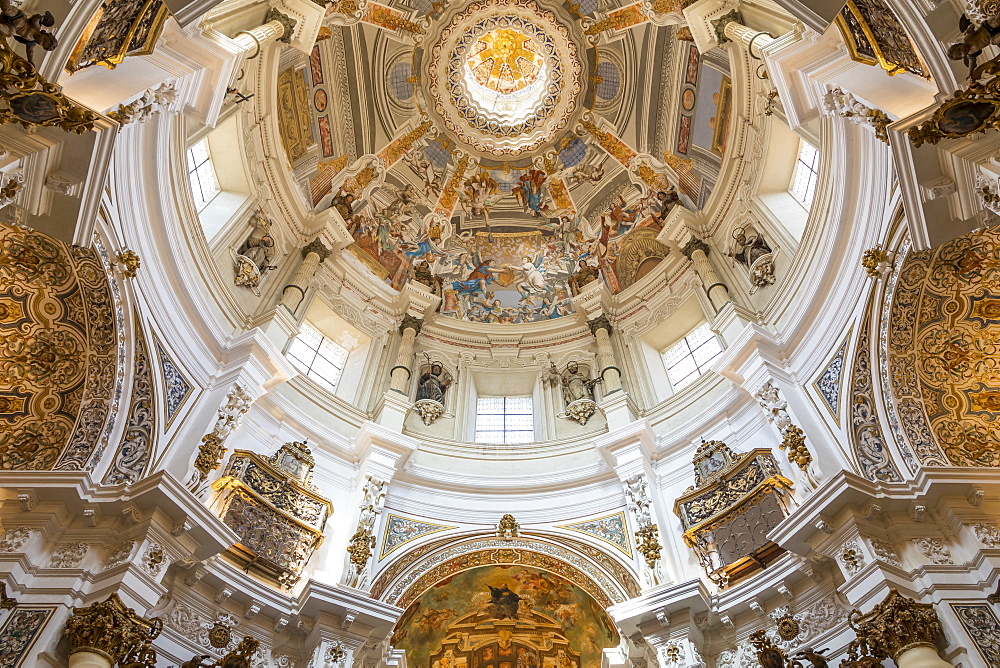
806 173
317 356
690 357
504 420
201 174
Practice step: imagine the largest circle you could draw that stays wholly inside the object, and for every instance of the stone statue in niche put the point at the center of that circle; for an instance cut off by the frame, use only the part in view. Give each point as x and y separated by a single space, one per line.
28 30
578 392
254 256
551 377
433 383
576 384
752 251
431 386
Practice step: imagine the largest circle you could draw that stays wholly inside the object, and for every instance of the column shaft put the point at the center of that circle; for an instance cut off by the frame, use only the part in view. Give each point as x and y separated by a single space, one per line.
295 291
746 36
88 660
401 372
922 656
261 36
718 293
610 375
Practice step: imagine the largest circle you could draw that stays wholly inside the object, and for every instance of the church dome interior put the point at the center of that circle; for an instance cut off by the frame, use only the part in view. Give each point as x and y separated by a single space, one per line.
499 333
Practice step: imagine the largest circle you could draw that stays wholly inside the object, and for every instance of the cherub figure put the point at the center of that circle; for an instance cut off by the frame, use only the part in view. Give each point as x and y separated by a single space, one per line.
28 30
480 193
974 39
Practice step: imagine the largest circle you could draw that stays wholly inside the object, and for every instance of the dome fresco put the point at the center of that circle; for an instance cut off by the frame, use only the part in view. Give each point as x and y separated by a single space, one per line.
506 205
499 333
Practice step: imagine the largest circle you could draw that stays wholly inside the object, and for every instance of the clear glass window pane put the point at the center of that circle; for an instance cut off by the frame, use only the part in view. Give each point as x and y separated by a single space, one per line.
201 174
690 357
706 352
504 420
806 173
682 369
319 357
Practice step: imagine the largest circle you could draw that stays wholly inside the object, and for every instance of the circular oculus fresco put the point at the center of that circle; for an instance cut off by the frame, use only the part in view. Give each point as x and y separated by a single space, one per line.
504 76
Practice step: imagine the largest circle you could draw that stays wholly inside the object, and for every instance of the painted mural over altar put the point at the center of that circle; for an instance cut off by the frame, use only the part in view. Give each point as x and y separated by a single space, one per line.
504 617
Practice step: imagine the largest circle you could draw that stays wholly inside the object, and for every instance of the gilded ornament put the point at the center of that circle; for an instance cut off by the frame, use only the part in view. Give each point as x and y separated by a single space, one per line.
429 410
119 29
508 527
8 191
6 602
271 504
580 411
788 627
220 635
360 548
243 654
894 626
111 630
648 544
130 261
210 454
336 653
794 440
875 36
875 261
30 100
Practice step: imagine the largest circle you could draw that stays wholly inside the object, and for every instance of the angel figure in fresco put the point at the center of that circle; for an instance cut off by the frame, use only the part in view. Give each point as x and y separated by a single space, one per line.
474 276
532 279
528 192
422 167
623 216
587 173
480 193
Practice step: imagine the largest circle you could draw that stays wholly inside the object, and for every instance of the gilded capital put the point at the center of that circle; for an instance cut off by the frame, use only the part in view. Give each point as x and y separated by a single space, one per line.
316 246
695 244
111 630
894 626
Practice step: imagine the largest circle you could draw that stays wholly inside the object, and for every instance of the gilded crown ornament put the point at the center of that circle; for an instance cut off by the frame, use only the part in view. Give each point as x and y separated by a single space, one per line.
508 527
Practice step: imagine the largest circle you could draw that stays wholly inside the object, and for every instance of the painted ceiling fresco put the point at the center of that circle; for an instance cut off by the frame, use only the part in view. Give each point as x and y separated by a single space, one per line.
943 349
504 154
504 617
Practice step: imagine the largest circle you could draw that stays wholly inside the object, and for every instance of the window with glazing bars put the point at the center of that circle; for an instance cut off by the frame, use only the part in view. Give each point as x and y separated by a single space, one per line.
201 174
317 356
690 357
504 420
